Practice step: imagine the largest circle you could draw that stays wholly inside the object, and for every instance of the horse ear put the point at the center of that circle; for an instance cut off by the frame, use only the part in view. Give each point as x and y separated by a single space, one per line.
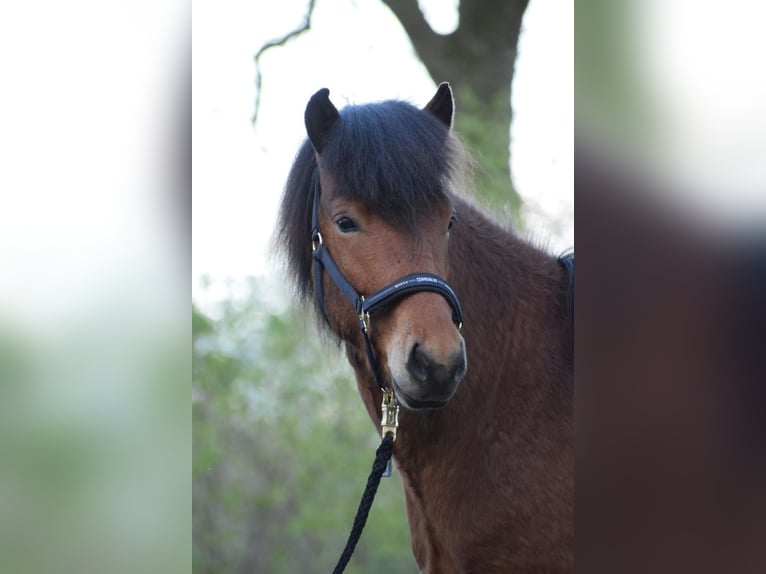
442 105
320 116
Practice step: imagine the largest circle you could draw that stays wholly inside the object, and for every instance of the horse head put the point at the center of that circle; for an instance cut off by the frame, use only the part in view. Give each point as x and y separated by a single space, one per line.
385 213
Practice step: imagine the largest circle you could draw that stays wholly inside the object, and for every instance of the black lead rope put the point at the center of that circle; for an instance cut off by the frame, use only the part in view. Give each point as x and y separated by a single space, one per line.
382 456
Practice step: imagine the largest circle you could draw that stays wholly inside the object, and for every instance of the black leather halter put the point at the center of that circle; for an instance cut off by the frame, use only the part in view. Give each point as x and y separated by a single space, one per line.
364 306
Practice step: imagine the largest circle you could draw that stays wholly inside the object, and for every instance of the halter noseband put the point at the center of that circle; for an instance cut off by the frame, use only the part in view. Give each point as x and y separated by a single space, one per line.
364 306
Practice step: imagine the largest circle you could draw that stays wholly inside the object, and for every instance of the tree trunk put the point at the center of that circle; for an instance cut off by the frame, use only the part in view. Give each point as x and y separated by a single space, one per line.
478 60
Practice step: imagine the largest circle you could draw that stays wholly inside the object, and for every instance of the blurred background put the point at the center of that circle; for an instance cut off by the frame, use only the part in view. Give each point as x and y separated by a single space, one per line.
282 444
96 170
95 332
670 369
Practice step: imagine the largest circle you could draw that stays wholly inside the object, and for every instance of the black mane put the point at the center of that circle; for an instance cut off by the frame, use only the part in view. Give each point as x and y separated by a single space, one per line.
395 158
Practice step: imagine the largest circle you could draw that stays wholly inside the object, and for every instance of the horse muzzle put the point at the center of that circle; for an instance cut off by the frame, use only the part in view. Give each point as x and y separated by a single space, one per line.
426 377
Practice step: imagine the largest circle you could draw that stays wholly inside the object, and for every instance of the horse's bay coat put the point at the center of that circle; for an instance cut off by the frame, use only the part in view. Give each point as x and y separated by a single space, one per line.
488 478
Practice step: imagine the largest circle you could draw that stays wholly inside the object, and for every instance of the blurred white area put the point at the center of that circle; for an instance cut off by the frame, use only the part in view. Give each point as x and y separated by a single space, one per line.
239 170
441 15
94 258
702 66
361 53
90 182
542 131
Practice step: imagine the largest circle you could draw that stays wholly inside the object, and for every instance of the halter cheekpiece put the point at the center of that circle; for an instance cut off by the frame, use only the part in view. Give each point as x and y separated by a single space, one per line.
364 306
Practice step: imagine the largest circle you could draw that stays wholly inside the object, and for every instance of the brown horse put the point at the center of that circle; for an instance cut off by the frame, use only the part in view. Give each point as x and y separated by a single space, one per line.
485 445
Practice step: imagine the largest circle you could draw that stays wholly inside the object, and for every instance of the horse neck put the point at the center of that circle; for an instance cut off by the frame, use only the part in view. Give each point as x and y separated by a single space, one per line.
514 303
513 293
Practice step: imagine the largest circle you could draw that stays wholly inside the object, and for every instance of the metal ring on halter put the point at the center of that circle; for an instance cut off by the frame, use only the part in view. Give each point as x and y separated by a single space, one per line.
316 241
364 316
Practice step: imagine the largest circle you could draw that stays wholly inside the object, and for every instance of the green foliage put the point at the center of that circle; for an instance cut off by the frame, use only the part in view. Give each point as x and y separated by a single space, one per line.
94 442
483 128
610 96
282 447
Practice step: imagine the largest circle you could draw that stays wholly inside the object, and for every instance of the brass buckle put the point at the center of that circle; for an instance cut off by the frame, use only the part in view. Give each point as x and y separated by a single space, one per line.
389 413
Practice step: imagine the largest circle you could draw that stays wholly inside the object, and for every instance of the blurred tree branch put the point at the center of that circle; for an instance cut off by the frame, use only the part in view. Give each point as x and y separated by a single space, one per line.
281 41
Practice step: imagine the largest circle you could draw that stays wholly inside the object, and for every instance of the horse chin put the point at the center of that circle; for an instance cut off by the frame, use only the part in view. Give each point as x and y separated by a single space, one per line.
414 404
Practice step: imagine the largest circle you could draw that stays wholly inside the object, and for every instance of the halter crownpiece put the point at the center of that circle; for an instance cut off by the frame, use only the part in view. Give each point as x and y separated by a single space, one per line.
364 306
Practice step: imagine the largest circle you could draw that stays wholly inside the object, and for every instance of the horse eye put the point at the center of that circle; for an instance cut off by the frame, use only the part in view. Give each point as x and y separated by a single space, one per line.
451 222
346 224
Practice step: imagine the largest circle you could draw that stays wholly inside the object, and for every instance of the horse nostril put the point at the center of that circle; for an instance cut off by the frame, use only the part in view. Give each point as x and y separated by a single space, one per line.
459 369
417 364
423 368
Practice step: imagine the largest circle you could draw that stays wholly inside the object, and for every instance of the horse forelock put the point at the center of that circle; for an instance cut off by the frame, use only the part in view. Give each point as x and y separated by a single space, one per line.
398 160
393 157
